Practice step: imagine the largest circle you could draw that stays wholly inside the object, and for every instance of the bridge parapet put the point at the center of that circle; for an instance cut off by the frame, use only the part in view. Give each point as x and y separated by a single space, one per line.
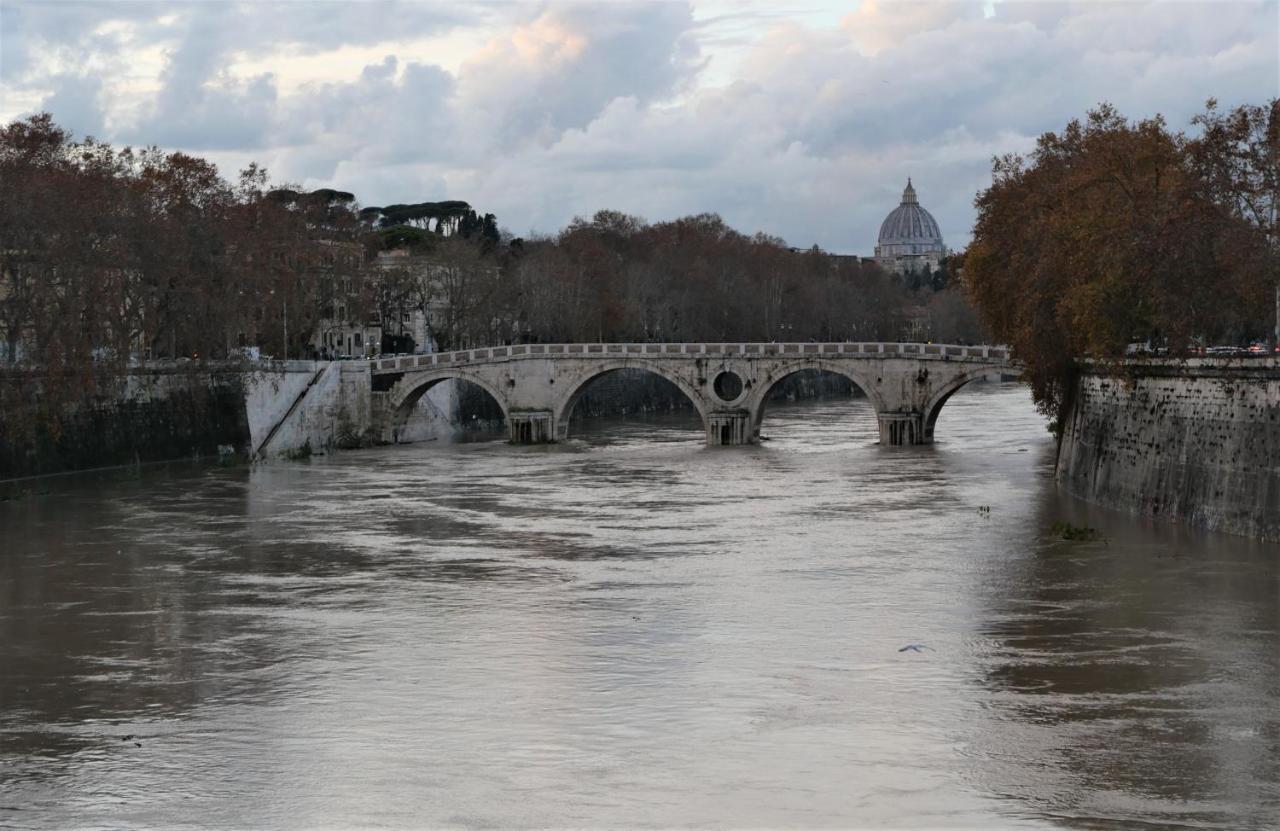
405 363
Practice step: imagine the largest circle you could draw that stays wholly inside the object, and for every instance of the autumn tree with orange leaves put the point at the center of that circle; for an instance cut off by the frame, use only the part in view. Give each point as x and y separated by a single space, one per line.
1114 232
111 255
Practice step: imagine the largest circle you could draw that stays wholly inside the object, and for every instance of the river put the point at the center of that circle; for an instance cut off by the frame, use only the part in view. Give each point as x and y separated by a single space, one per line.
630 629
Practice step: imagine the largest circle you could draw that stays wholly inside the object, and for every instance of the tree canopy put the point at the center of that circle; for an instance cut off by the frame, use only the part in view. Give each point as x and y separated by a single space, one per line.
1114 232
448 218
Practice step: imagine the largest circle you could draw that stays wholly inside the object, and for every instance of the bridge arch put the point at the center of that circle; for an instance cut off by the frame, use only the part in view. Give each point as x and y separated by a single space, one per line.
580 382
413 386
933 407
759 401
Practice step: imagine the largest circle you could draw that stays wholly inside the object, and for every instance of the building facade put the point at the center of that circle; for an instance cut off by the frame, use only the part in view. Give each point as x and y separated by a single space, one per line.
412 302
346 328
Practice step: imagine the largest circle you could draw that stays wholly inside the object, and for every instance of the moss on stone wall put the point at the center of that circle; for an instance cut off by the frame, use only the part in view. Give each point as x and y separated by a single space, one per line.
156 417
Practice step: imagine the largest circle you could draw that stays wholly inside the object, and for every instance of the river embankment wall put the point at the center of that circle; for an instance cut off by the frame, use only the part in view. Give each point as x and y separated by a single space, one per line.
152 413
1194 441
168 410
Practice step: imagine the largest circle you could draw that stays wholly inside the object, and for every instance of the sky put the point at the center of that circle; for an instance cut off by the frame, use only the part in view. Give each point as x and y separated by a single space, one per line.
799 119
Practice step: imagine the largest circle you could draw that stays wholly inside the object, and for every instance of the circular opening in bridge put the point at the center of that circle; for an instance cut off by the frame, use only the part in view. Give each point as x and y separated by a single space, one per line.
728 386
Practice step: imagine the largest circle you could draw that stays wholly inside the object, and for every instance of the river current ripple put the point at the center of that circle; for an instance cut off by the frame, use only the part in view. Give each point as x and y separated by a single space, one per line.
631 629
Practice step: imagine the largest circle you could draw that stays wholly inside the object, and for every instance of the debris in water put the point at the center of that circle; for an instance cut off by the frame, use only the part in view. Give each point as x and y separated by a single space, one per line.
1074 533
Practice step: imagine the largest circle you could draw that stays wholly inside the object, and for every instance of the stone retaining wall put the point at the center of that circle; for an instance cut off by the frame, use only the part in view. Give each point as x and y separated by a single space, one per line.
1196 442
153 414
166 410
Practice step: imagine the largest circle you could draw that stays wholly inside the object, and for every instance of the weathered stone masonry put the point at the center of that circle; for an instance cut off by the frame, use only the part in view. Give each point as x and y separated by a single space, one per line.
538 385
156 412
1195 442
162 411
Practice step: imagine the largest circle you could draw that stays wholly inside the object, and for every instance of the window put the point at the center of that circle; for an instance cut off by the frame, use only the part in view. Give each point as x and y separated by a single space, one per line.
357 339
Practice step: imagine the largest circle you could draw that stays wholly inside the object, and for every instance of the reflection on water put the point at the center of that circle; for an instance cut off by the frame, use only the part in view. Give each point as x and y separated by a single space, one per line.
633 629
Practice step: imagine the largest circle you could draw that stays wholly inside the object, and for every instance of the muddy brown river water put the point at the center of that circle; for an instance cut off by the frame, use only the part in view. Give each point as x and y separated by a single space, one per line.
631 629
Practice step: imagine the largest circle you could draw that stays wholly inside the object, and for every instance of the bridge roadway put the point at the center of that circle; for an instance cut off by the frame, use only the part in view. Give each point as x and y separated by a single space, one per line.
537 385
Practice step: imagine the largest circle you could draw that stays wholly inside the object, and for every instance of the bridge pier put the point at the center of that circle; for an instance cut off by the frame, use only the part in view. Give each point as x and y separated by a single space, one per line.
899 429
728 427
530 427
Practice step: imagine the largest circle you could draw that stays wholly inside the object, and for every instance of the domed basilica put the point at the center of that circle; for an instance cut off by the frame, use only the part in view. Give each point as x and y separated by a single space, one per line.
909 237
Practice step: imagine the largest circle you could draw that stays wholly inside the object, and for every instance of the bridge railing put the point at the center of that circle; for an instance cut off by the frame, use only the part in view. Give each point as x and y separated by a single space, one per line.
402 363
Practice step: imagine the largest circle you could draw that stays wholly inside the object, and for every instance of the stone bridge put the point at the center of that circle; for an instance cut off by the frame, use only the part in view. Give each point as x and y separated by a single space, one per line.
537 385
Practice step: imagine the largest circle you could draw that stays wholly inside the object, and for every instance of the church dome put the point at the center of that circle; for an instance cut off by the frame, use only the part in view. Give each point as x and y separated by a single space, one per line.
909 229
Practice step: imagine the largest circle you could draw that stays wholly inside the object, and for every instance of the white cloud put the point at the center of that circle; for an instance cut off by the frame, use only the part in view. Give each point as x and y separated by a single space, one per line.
559 70
877 25
803 124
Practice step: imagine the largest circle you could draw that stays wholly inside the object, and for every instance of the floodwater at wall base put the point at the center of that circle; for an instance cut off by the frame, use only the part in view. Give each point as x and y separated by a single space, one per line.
633 630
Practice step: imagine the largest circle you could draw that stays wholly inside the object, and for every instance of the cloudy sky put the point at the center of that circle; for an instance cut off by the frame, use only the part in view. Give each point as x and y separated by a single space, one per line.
798 119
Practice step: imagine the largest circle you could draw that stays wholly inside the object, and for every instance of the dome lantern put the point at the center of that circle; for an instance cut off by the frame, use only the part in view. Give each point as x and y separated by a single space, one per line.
909 195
